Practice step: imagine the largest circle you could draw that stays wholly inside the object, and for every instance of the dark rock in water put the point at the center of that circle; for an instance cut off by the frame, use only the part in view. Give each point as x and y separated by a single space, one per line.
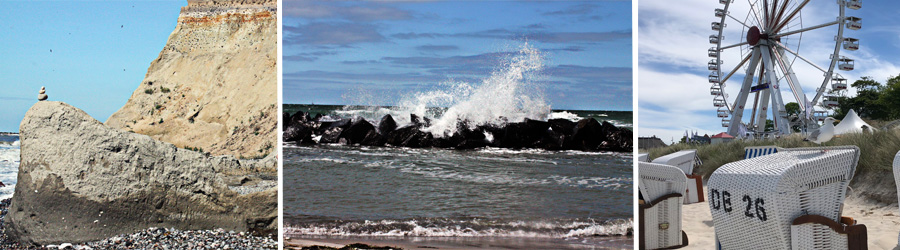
471 143
468 138
615 139
419 140
301 132
317 117
115 182
536 127
331 135
524 134
357 131
292 133
342 123
286 120
562 126
554 134
415 120
552 140
372 138
387 125
298 117
427 121
400 135
585 135
589 134
496 132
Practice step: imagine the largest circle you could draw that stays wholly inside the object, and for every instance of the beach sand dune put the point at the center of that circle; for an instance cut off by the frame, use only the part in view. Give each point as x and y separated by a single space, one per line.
882 222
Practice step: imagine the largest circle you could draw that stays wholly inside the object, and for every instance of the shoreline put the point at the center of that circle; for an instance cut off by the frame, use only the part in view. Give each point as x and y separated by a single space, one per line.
152 238
454 243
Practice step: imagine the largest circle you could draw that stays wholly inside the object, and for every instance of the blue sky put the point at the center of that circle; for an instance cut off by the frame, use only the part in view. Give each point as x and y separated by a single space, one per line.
391 49
101 52
673 88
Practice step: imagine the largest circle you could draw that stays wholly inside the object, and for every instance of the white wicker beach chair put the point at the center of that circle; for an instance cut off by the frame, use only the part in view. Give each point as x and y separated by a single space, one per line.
897 181
662 188
787 200
753 152
686 160
644 157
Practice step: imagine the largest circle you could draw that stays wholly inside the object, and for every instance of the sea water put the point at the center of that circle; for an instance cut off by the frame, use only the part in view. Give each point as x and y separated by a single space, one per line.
573 197
9 164
383 191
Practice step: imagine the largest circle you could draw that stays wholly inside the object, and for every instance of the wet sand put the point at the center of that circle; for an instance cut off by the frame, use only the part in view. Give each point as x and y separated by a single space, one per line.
454 243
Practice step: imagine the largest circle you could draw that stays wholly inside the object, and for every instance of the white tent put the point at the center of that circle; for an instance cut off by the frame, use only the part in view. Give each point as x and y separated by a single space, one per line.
851 124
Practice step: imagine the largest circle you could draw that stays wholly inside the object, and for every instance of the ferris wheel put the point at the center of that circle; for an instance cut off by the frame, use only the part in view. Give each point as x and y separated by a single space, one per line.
768 56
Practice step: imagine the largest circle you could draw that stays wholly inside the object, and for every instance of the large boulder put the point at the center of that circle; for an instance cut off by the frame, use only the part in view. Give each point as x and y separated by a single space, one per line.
387 125
358 131
301 132
398 136
562 126
80 180
331 135
524 134
615 139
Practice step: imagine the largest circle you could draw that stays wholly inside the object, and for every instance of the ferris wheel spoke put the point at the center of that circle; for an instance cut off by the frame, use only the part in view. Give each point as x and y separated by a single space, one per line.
790 16
799 56
739 21
765 11
755 14
736 68
805 29
781 11
732 46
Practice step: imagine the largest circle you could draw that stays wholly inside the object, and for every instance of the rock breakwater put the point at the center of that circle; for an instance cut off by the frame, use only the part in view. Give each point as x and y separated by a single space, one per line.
554 134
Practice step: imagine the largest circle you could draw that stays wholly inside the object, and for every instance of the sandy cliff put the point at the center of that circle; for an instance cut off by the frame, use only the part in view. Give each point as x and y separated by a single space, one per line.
214 85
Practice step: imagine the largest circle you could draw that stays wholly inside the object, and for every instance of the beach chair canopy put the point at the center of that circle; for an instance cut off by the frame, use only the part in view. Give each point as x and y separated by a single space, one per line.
657 180
684 160
755 201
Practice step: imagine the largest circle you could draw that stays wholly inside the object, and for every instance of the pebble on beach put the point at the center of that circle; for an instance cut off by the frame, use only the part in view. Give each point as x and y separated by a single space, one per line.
155 238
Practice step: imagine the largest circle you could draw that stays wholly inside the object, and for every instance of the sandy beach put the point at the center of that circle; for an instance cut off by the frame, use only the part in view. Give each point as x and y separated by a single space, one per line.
882 222
458 243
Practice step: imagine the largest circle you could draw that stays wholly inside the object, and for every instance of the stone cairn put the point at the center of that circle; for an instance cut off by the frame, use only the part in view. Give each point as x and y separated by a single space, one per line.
41 94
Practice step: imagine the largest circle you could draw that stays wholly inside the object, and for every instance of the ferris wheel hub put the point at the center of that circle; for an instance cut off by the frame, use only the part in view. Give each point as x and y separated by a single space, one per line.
753 36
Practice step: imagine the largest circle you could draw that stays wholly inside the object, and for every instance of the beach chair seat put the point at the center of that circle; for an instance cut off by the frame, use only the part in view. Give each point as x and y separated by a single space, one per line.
752 152
791 199
662 188
686 160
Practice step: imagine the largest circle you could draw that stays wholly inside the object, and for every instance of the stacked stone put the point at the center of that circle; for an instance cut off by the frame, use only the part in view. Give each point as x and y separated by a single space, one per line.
41 94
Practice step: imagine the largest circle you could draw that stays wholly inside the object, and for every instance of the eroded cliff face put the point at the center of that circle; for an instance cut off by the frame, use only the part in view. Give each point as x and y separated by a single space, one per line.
80 180
214 85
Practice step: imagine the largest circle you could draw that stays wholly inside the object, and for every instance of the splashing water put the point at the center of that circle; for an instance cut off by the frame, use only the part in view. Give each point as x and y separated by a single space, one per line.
509 94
